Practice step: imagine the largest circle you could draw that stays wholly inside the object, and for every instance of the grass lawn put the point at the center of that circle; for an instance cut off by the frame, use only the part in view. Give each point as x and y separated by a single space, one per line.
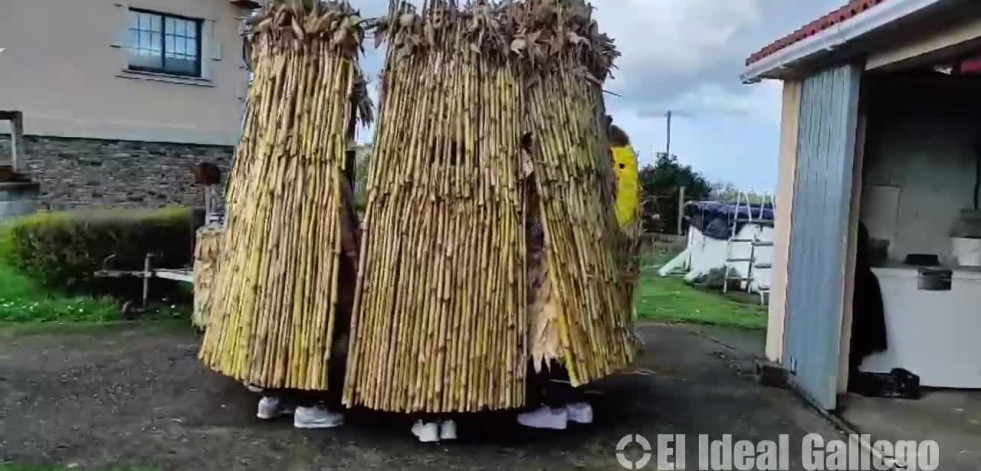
23 300
673 300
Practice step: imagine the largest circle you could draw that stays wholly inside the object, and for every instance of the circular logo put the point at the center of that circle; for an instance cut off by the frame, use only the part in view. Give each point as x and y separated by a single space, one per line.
626 462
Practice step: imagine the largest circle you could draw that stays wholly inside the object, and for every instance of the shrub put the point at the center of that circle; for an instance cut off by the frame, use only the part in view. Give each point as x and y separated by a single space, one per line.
64 249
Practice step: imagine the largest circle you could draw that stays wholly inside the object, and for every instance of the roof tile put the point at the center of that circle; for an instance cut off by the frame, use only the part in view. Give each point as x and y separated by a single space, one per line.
852 9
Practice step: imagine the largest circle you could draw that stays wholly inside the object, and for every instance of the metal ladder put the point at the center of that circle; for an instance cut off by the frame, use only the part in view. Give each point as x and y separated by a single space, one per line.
755 243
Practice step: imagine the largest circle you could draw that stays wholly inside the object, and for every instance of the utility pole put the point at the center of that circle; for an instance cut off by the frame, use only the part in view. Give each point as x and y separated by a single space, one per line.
668 150
681 211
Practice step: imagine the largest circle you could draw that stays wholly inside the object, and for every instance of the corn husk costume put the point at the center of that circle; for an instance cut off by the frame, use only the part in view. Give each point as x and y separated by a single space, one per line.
274 305
584 299
442 320
206 253
439 323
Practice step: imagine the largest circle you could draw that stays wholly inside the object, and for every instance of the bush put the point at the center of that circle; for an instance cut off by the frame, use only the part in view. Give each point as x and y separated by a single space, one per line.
64 249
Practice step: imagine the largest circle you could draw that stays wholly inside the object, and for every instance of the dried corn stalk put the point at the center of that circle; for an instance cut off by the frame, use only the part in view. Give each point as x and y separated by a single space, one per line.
206 253
272 318
565 59
439 323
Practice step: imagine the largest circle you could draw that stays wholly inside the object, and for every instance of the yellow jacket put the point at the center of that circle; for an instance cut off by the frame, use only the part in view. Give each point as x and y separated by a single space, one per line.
628 185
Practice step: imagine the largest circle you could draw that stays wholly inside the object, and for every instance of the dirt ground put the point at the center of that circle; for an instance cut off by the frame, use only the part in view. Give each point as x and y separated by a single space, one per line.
136 396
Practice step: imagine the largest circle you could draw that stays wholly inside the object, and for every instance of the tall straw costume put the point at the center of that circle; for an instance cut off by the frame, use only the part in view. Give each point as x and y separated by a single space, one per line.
439 323
274 307
442 320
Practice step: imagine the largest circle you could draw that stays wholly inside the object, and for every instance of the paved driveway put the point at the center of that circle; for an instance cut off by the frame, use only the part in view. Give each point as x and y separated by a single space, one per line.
135 396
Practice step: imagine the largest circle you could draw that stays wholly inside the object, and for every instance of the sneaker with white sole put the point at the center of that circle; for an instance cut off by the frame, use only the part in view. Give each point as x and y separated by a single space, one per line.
426 432
545 418
580 412
272 407
316 417
447 430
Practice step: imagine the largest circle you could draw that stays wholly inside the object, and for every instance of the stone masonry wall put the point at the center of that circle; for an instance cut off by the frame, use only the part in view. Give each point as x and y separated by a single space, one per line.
86 173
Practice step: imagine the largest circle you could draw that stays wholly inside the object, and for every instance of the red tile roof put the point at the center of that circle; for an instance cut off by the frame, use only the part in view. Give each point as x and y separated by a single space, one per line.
971 66
845 13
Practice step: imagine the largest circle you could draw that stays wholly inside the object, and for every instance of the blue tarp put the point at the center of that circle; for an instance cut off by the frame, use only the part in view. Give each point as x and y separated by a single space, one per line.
717 220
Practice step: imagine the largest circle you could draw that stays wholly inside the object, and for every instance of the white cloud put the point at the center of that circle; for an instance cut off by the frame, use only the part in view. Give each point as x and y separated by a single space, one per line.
710 98
679 37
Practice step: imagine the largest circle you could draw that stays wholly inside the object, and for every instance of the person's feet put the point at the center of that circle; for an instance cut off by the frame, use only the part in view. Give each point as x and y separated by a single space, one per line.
431 432
317 417
580 412
426 432
545 418
271 407
447 430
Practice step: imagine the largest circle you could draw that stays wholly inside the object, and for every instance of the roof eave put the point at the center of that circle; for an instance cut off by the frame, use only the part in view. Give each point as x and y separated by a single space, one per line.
790 59
783 62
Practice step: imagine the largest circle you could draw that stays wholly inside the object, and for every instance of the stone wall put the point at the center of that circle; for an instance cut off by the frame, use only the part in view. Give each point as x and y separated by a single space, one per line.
85 173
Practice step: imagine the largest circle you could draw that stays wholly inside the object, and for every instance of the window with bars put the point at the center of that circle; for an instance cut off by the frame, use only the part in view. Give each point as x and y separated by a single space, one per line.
164 43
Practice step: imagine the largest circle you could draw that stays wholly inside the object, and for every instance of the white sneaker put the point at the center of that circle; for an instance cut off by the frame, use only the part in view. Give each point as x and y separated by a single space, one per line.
271 407
253 388
546 418
580 413
426 432
447 430
317 417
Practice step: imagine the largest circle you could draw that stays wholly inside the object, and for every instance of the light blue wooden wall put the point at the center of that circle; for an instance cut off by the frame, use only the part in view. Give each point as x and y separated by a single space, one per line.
819 230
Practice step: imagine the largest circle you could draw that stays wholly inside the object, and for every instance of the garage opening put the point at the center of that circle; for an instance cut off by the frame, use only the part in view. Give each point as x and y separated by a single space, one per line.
914 329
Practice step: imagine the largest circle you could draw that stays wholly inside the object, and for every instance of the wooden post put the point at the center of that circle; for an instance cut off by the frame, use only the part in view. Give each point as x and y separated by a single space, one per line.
16 140
855 210
16 119
147 274
681 212
787 183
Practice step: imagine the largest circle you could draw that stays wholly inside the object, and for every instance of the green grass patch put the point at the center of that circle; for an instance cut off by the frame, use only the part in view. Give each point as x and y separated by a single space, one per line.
672 300
24 300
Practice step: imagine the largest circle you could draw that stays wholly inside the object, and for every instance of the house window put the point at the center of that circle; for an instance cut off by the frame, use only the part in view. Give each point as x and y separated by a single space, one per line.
164 43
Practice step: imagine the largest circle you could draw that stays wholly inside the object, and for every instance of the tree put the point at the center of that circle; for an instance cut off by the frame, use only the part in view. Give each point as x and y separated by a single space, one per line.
662 183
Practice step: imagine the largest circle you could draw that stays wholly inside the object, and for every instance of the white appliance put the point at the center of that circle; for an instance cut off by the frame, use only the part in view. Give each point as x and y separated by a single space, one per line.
933 334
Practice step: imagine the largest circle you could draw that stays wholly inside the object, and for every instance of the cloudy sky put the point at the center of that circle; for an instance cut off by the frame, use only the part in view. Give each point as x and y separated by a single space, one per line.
686 56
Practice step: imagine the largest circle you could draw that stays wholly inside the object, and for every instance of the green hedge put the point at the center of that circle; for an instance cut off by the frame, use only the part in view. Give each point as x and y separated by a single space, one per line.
64 249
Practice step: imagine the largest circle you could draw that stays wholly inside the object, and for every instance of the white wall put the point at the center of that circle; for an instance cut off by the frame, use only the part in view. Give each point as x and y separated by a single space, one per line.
64 66
922 150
